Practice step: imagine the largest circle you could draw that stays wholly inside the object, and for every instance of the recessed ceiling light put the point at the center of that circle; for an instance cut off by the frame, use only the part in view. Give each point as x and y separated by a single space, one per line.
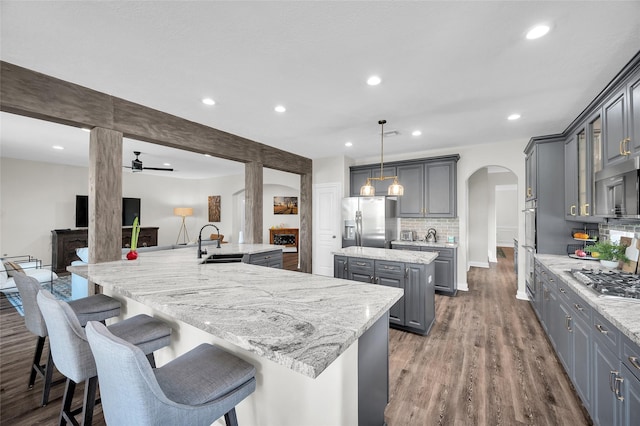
86 130
166 164
374 80
208 101
58 147
537 32
513 117
280 108
416 133
207 155
347 144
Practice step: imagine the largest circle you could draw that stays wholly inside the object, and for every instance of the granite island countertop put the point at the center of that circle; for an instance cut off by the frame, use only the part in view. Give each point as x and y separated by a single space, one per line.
624 314
388 254
301 321
423 243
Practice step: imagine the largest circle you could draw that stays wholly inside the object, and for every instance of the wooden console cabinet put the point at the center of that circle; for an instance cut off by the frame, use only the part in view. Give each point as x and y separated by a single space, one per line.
64 243
287 237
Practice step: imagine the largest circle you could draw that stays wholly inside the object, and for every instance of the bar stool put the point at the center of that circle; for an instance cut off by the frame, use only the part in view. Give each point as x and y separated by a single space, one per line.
95 308
72 354
194 389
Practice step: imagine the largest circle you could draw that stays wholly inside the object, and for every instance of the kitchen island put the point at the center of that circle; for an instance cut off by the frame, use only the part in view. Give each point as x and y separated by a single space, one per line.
319 344
411 271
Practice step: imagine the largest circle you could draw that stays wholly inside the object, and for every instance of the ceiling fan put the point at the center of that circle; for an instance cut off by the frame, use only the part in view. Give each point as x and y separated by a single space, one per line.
136 165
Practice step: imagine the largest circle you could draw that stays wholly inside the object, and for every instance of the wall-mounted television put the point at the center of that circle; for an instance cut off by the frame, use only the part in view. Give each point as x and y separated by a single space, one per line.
130 209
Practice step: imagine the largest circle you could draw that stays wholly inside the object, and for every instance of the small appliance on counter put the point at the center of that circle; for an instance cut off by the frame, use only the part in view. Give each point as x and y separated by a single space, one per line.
408 236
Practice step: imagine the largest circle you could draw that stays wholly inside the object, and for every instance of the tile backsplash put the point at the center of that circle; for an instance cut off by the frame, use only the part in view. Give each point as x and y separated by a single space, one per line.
444 227
604 228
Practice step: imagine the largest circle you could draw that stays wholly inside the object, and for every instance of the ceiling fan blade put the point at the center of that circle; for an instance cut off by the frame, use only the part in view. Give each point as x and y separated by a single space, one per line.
157 168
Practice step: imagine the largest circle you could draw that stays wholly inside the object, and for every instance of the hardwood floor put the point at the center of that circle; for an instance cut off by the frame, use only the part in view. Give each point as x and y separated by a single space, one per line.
485 362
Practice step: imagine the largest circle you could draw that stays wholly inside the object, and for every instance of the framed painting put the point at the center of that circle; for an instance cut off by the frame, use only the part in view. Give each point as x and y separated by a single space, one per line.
214 208
285 205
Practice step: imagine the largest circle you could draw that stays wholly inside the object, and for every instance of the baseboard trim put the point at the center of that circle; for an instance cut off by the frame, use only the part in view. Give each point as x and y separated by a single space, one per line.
479 264
522 295
493 260
463 287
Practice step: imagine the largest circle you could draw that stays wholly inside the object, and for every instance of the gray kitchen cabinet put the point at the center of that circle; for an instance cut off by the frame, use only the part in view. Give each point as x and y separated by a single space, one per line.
581 359
571 178
606 367
411 204
429 185
392 274
340 268
429 189
415 311
445 270
360 269
358 177
631 395
621 124
271 259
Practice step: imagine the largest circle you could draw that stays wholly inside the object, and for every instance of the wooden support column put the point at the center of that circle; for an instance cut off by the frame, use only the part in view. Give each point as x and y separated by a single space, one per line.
253 194
105 195
306 211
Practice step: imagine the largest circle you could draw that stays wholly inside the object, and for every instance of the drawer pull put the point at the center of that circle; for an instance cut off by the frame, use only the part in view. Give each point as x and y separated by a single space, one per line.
361 264
617 385
634 361
562 291
568 323
578 307
601 329
612 375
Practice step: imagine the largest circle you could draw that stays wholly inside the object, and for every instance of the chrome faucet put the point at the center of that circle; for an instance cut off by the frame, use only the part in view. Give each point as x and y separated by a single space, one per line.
200 252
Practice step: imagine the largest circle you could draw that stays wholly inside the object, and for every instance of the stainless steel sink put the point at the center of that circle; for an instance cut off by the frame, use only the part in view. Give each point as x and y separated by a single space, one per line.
223 258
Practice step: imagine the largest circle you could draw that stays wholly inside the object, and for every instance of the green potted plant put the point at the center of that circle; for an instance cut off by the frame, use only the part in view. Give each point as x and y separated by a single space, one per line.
609 253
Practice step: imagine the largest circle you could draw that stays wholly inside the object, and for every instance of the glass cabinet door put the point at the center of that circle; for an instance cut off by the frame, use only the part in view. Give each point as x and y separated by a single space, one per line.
583 174
595 128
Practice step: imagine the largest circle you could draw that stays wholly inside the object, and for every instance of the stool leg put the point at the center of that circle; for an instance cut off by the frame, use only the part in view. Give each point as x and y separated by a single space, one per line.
48 375
230 418
36 361
89 400
152 360
66 402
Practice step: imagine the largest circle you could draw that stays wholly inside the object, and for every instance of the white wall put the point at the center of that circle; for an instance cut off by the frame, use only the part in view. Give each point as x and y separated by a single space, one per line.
36 198
479 213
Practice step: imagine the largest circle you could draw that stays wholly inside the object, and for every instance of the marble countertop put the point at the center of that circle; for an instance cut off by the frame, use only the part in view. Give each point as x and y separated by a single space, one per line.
388 254
230 248
624 314
301 321
423 243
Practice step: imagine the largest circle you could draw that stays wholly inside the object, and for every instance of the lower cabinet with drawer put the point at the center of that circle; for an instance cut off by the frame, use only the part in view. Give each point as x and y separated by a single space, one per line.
415 312
271 259
445 266
602 363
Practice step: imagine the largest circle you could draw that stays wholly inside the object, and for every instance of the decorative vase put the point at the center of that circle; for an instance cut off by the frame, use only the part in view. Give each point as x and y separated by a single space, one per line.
132 255
611 264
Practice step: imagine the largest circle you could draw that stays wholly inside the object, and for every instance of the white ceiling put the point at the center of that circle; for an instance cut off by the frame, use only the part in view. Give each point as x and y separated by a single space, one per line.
454 70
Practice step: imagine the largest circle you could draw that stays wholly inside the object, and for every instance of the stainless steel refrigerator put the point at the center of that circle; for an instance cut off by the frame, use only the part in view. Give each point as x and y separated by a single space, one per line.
369 221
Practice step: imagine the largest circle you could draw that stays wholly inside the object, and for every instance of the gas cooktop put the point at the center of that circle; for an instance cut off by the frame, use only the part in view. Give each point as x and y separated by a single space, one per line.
609 283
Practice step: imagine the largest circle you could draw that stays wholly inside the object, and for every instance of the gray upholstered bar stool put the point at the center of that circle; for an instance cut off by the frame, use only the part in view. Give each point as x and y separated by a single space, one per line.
94 308
194 389
72 354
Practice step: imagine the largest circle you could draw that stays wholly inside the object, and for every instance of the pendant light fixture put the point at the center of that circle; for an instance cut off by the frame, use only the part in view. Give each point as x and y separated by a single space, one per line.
368 190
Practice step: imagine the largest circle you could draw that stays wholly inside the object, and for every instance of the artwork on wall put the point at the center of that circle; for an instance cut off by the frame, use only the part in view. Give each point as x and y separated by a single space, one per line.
285 205
214 208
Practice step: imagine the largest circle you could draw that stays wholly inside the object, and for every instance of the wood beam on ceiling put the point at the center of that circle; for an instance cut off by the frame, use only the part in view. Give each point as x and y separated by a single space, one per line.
33 94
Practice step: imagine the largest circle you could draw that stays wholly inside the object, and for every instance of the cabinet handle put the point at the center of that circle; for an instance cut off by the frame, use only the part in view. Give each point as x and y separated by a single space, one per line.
377 280
620 147
406 275
562 291
361 264
612 375
572 210
578 307
634 361
568 323
624 146
618 384
345 267
529 192
371 278
601 329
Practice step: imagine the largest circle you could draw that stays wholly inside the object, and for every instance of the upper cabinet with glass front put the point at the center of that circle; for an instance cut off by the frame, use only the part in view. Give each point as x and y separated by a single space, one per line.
621 123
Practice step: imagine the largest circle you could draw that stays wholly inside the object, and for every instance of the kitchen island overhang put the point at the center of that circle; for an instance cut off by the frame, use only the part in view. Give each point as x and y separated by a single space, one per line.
289 324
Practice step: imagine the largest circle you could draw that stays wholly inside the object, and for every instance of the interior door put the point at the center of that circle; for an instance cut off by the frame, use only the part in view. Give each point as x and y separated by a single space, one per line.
326 226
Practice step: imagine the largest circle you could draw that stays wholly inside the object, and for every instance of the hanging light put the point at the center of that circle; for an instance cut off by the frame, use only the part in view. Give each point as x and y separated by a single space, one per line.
368 190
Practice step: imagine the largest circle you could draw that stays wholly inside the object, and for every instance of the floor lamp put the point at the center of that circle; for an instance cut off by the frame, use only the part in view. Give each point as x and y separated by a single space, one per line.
184 212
